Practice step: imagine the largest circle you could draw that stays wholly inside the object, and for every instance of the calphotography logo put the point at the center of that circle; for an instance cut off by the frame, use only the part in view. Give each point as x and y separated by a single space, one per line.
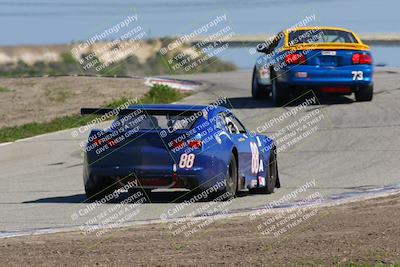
296 124
268 42
286 217
107 116
200 47
196 214
99 221
99 54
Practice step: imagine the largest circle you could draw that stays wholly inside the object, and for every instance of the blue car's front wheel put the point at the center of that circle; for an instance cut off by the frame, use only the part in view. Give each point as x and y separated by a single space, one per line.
271 174
280 93
258 90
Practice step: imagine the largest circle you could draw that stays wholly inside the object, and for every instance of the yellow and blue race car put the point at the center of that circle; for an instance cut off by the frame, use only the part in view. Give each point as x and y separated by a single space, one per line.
323 59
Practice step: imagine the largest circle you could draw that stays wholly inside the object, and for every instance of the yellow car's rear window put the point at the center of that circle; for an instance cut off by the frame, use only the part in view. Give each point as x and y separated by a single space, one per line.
320 36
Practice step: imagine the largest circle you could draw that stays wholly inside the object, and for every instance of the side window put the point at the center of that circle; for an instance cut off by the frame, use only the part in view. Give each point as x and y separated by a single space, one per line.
233 124
220 121
281 43
274 44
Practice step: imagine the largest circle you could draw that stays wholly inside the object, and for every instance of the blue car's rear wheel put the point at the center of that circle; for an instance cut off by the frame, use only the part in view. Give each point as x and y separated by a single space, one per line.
232 178
99 191
364 93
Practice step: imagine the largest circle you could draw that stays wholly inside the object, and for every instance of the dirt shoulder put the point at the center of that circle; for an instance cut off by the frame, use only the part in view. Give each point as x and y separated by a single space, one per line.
362 233
25 100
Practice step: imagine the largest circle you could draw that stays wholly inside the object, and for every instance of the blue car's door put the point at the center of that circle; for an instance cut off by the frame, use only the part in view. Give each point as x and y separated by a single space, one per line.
246 145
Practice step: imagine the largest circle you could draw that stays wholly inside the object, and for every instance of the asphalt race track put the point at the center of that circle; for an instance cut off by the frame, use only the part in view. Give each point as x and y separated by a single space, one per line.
355 149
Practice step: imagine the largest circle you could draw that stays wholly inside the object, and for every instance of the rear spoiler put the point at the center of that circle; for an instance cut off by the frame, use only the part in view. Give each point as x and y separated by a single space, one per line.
332 46
149 111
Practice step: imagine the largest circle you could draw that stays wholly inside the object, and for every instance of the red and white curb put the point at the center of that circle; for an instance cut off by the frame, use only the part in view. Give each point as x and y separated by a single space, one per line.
184 85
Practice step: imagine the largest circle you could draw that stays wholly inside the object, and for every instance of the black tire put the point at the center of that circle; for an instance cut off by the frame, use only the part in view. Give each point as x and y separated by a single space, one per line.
99 191
257 90
280 93
364 93
232 178
272 175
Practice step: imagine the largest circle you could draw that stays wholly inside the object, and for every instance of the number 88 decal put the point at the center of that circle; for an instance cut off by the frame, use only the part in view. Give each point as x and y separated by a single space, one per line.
186 160
255 157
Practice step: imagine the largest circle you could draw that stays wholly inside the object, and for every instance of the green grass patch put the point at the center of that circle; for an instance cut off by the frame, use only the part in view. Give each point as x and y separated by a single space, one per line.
4 90
60 96
9 134
162 94
158 94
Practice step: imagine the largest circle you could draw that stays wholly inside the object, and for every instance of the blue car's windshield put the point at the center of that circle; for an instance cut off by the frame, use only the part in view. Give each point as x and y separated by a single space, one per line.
320 36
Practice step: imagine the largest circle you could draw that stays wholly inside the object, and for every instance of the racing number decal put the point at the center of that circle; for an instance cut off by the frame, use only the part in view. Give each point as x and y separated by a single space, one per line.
357 75
186 160
255 157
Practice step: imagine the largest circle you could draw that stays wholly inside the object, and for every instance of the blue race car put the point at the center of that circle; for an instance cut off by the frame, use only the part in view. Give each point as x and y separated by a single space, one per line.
177 146
323 59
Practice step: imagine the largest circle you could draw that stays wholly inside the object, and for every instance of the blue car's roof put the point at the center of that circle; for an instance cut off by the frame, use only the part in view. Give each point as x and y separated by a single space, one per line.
173 107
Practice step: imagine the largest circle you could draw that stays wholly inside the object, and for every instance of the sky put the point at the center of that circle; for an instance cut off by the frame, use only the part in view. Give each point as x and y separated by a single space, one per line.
61 21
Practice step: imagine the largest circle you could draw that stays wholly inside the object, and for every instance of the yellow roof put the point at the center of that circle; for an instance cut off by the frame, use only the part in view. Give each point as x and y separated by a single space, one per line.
322 28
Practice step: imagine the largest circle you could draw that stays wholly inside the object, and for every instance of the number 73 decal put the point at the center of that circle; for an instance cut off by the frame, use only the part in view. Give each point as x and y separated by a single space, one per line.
357 75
